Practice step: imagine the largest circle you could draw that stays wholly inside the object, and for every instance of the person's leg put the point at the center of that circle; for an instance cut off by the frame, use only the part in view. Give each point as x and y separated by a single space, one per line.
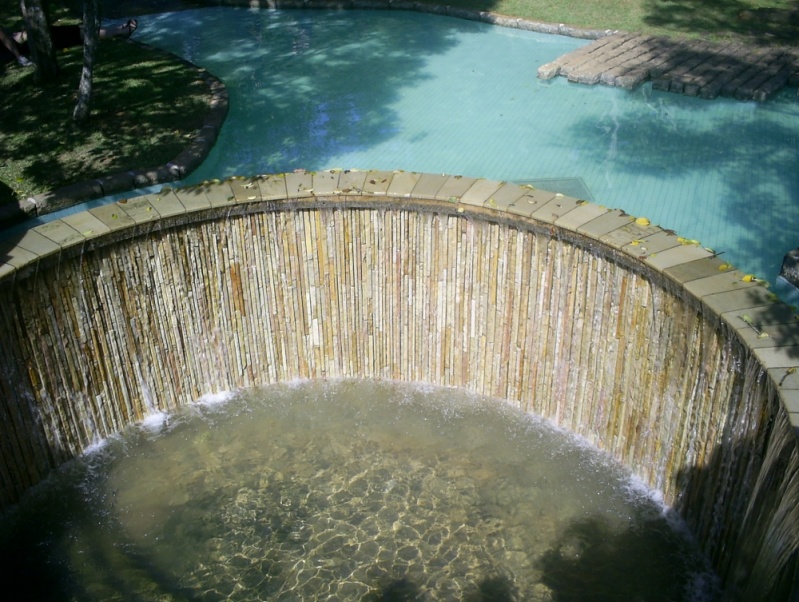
8 41
120 31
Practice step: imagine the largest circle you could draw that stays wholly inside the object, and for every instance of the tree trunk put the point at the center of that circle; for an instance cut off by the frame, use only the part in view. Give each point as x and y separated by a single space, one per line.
39 40
91 34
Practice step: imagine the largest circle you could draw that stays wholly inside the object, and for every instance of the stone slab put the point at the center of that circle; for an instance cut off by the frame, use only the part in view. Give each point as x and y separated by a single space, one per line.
166 203
505 196
140 209
403 183
113 216
247 190
454 187
60 233
531 201
607 222
480 192
581 215
37 243
325 183
651 245
377 182
351 181
299 184
272 187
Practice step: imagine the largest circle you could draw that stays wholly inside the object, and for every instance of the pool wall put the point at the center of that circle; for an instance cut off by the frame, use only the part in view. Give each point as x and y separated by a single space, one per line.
650 346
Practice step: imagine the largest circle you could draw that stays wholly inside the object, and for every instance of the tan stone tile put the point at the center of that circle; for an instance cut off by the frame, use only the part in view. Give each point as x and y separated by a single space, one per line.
703 268
60 233
626 234
762 315
17 257
193 198
86 224
787 379
428 185
454 187
507 194
728 301
246 190
777 357
676 255
531 201
580 215
140 209
607 222
377 182
113 217
759 335
166 203
299 184
37 243
325 183
556 208
351 181
651 245
719 283
403 183
273 187
479 192
219 194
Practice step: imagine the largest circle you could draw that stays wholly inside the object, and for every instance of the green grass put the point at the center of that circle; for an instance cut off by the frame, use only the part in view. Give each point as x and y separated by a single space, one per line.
744 20
147 105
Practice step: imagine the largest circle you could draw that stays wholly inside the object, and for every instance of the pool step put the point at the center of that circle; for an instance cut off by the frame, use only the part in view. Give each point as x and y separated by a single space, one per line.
694 68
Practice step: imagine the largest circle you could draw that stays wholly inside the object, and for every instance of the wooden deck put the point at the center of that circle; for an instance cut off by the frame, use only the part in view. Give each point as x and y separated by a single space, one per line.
695 68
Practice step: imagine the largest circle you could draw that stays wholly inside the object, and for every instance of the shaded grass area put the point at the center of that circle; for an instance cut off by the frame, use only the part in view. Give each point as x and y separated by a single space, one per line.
146 107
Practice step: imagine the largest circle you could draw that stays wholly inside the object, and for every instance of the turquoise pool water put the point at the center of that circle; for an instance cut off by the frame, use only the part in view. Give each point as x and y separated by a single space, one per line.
403 90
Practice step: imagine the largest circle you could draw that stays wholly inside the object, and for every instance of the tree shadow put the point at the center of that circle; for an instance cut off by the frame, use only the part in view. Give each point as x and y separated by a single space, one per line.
753 160
315 84
595 560
726 19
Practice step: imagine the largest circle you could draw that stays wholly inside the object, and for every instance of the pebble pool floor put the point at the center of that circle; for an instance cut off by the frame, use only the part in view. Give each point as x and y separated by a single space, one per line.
349 490
429 93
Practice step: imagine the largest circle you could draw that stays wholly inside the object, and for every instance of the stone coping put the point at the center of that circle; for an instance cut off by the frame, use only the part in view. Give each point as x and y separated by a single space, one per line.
738 302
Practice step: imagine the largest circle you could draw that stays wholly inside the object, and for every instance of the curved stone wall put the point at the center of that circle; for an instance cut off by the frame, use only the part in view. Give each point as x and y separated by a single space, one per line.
652 347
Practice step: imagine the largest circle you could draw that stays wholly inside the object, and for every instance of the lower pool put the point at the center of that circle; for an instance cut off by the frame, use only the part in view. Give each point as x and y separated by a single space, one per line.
349 490
420 92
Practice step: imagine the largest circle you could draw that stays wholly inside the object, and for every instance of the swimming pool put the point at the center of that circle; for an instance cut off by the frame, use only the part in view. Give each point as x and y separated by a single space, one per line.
421 92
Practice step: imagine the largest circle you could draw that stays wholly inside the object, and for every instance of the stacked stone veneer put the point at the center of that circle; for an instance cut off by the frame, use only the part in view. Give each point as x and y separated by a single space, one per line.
641 341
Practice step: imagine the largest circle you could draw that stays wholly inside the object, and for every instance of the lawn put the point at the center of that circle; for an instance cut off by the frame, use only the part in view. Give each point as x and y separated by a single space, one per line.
147 104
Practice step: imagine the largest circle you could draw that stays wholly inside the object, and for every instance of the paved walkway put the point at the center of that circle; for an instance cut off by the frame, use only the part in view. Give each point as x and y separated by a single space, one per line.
695 68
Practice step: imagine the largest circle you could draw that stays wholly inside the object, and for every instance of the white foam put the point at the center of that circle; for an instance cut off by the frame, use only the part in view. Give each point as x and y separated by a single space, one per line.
155 421
213 399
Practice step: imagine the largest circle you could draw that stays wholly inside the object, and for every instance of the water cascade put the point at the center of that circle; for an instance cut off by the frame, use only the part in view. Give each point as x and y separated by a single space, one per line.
610 326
